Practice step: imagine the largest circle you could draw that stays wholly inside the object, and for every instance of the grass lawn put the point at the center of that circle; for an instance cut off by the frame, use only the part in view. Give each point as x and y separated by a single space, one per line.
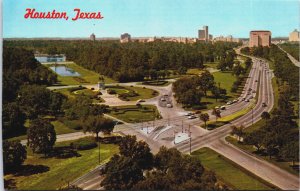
87 76
134 114
60 170
211 65
143 93
249 148
229 172
86 92
194 71
226 79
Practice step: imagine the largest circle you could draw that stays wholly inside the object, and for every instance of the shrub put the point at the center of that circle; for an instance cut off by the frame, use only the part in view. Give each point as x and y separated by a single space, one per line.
109 91
76 88
84 143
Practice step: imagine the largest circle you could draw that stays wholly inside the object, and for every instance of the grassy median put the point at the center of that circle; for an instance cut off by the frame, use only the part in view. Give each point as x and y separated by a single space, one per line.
229 172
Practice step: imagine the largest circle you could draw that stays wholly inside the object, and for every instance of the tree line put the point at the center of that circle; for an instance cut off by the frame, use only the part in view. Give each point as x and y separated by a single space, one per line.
132 61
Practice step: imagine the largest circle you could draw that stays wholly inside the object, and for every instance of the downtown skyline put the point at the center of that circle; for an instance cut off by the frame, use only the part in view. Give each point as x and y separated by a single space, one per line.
153 18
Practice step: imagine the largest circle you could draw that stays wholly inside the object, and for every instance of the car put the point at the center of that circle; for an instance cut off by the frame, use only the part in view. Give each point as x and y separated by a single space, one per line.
247 100
248 93
140 100
166 95
169 105
253 91
256 80
234 101
192 117
188 114
250 97
264 104
229 103
223 107
217 107
162 99
243 99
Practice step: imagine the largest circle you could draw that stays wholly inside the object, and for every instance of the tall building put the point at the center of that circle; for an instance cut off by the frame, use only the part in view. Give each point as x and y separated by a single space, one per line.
260 38
294 36
125 38
203 35
93 37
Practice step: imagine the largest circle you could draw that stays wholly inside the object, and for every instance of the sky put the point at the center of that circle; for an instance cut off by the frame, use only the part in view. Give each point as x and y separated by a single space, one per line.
147 18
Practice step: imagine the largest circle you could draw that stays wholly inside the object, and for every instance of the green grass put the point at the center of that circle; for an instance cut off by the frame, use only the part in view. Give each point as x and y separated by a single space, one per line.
88 76
194 71
86 92
229 172
134 114
226 79
211 65
249 148
143 93
61 170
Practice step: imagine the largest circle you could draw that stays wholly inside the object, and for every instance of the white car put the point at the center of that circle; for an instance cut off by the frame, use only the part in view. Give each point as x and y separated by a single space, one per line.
188 114
169 105
162 99
229 103
223 107
192 117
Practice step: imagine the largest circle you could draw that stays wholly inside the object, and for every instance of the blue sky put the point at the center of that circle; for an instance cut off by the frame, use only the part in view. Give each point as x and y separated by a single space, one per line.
153 17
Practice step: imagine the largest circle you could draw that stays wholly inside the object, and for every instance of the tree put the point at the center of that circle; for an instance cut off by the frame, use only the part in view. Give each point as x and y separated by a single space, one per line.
34 100
121 173
266 116
96 124
216 113
138 150
206 81
14 154
13 120
41 136
255 138
238 131
290 152
204 117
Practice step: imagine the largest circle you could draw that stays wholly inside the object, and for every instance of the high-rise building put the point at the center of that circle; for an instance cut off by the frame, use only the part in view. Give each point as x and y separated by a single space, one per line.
203 35
260 38
125 38
93 37
294 36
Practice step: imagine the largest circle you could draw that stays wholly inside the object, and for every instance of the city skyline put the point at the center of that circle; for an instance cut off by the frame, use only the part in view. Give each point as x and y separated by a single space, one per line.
153 18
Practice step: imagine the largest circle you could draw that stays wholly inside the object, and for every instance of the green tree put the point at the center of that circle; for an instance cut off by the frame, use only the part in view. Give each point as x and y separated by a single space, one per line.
13 120
138 150
206 81
14 154
41 136
238 131
216 113
97 124
255 138
290 152
204 117
121 173
266 116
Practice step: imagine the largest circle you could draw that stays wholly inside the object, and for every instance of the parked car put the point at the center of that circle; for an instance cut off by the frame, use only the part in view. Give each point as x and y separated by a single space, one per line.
188 114
264 104
229 103
162 99
223 107
247 100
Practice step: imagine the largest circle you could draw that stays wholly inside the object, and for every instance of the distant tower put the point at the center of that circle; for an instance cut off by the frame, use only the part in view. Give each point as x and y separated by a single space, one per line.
203 34
93 37
125 38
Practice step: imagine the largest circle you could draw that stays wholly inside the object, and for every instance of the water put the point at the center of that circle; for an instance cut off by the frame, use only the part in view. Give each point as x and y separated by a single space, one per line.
64 71
51 58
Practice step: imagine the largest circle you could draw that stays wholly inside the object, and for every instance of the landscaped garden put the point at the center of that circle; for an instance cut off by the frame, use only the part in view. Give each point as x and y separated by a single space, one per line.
131 93
135 114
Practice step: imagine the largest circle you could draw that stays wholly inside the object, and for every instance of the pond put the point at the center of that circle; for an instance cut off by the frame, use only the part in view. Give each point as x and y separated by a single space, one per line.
64 71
